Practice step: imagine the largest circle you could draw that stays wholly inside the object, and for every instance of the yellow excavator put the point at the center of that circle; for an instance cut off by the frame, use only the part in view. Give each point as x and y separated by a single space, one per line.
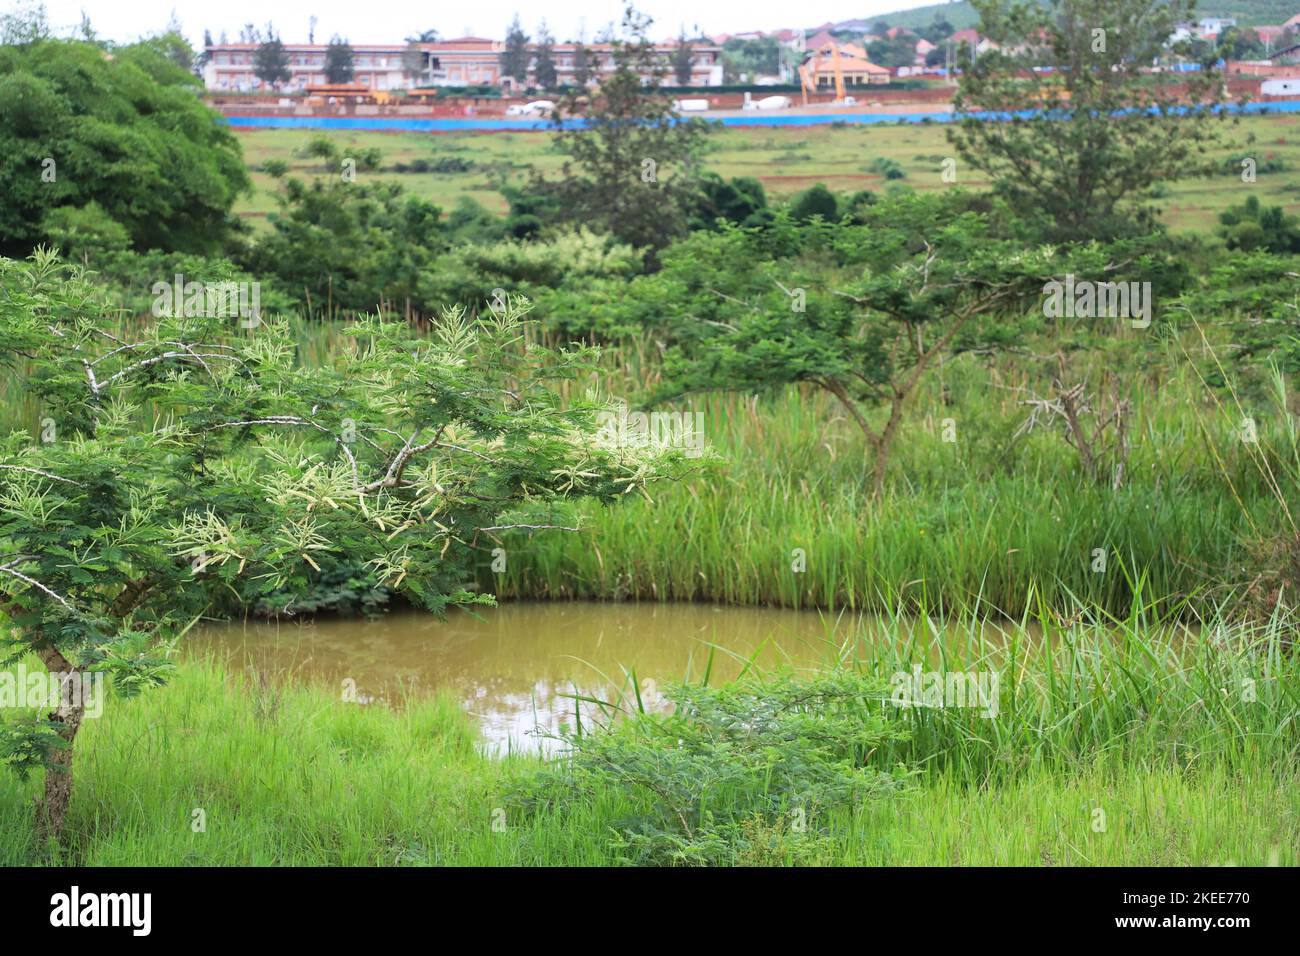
808 82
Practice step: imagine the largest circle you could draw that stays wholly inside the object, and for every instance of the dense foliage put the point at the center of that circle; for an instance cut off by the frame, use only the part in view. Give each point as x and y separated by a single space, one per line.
118 144
252 474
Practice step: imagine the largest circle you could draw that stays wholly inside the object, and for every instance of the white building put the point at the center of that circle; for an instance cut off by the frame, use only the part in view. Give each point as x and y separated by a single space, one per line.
467 61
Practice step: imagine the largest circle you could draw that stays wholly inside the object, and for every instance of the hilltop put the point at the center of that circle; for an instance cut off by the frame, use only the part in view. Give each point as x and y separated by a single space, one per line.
961 15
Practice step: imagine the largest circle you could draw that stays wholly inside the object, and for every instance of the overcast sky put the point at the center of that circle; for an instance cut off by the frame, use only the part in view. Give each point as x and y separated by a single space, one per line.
389 21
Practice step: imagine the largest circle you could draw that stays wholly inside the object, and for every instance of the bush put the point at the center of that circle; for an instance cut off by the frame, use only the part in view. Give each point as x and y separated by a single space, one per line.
442 164
889 168
733 773
815 201
1252 226
348 247
471 274
740 200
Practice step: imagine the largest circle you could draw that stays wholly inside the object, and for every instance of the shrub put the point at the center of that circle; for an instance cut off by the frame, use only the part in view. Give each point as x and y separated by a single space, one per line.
815 201
733 773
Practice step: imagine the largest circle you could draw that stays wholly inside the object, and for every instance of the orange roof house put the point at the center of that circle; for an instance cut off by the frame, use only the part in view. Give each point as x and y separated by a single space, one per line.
820 39
856 69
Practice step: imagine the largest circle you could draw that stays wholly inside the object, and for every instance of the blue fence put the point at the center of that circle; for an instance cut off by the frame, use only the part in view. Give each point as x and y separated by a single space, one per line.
383 124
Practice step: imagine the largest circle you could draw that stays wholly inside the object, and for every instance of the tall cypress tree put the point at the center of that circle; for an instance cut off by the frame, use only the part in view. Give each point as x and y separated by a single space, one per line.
544 68
339 60
515 56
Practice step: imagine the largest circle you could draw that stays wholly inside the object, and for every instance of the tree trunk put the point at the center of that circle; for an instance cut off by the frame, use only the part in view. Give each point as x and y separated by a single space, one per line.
885 445
53 805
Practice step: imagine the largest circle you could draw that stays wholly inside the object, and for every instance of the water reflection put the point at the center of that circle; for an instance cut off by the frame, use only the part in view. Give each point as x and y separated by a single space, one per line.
516 667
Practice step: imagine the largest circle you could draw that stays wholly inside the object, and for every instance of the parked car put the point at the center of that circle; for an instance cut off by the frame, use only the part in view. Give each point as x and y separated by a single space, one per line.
541 108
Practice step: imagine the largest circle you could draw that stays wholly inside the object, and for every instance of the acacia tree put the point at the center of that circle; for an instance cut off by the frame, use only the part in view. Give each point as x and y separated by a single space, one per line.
339 61
861 311
248 473
629 169
1081 146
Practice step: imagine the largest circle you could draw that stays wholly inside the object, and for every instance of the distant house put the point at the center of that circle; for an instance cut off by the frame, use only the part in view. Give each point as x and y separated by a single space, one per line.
972 40
706 63
820 39
923 49
1213 26
894 33
854 67
230 67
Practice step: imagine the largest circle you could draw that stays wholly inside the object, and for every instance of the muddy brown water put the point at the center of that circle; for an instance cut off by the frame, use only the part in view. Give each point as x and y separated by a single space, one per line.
515 668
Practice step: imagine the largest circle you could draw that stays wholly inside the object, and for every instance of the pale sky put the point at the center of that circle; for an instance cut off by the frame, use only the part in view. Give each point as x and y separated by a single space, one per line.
390 21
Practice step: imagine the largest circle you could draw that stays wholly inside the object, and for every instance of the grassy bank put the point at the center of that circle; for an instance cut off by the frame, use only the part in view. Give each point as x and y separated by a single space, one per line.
1186 743
970 524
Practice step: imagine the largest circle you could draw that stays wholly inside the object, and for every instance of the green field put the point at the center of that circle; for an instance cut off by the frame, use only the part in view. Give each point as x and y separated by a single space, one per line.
784 160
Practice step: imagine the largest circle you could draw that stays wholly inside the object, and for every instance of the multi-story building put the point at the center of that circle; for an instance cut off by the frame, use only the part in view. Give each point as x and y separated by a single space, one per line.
230 67
706 64
466 61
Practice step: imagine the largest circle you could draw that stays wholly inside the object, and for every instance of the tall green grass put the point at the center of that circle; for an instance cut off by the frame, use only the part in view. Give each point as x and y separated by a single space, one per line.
1139 691
972 524
1148 720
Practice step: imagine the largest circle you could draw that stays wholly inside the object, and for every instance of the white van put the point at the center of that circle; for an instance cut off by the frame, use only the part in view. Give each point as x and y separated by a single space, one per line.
535 108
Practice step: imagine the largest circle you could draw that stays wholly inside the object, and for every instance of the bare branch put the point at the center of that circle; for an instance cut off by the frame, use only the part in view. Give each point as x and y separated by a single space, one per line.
43 474
38 585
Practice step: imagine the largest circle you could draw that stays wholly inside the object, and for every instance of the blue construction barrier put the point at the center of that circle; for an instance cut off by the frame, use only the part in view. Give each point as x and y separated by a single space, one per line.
384 124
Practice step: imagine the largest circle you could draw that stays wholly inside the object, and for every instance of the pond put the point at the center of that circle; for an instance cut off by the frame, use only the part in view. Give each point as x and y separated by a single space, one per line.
516 667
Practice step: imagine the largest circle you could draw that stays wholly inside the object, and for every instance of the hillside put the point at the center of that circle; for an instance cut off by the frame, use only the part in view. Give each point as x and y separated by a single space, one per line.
1246 12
